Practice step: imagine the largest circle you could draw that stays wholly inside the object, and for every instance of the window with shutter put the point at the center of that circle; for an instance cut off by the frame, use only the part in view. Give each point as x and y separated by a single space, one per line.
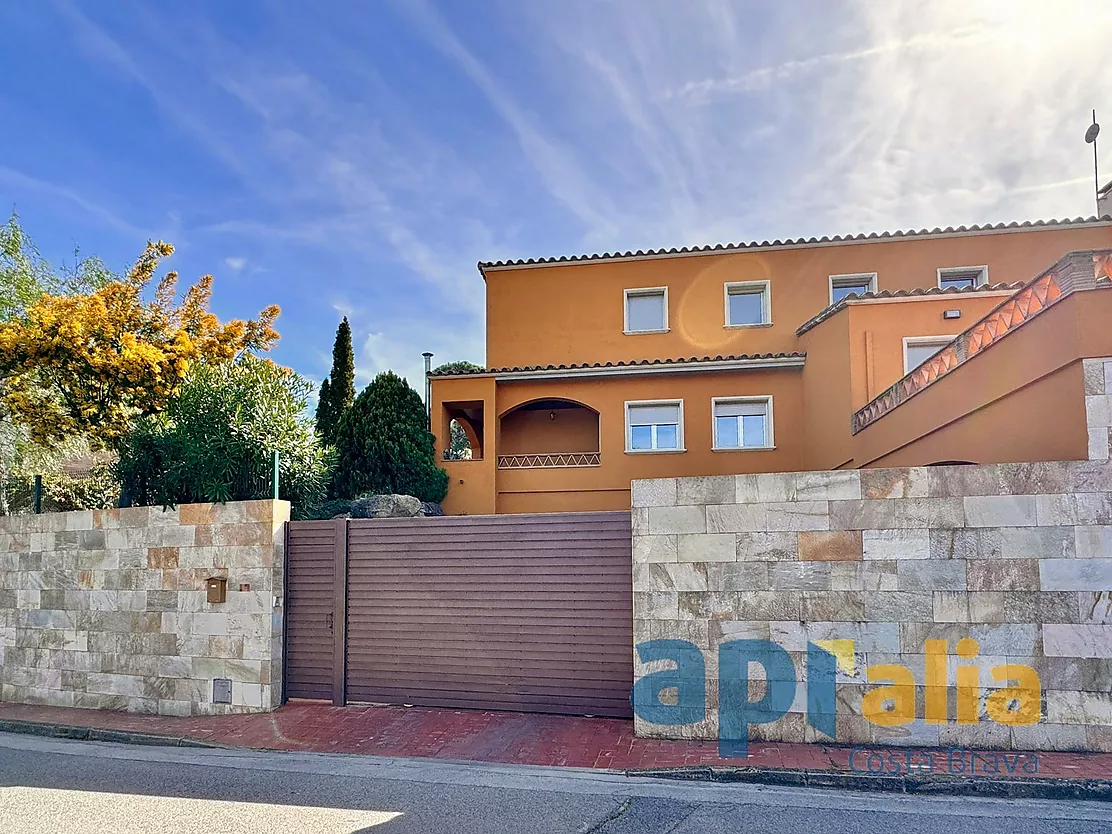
743 423
654 426
646 310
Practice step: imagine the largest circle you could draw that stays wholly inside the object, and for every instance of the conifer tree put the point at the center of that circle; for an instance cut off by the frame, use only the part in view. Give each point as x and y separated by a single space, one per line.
337 393
384 445
324 419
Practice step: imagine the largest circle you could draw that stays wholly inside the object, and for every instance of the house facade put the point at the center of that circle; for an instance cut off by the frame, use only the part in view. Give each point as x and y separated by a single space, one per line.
775 357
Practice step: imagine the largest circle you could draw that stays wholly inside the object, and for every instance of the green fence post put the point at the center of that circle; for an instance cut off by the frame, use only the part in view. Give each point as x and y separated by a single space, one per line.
37 495
274 480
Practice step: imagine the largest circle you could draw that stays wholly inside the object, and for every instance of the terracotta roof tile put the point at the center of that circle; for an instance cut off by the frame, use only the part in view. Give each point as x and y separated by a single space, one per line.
917 293
634 363
765 244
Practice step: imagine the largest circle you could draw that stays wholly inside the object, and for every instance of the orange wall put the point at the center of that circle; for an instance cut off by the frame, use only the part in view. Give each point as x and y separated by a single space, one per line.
857 353
471 489
579 501
1032 376
520 488
535 432
573 314
1044 421
1020 399
877 330
826 385
532 311
471 483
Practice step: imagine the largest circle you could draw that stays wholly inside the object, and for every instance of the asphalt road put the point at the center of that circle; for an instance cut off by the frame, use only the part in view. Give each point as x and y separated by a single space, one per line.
49 785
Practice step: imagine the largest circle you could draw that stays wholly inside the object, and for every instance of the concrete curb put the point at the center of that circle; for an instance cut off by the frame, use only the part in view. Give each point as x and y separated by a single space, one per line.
1093 790
36 728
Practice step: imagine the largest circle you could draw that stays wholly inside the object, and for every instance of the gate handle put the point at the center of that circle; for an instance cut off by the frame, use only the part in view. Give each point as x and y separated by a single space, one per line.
330 617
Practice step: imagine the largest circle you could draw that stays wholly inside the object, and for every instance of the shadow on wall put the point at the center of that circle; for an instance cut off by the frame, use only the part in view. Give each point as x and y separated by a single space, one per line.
549 426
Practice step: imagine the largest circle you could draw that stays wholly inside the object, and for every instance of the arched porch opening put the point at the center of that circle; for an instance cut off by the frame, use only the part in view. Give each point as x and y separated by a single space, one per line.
544 433
465 430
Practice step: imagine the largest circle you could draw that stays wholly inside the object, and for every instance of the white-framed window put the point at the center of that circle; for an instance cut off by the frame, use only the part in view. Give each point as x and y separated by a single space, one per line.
858 283
654 426
646 310
748 304
962 276
918 349
742 423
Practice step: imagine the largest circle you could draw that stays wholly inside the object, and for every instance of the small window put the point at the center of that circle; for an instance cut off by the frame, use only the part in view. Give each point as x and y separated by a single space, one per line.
858 284
748 304
961 277
654 426
743 423
918 350
646 311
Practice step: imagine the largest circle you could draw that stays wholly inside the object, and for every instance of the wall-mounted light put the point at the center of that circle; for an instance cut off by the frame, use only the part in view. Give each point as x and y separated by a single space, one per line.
952 314
552 415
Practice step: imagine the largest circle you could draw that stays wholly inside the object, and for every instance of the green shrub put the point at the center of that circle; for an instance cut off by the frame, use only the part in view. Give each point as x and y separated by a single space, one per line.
459 366
98 489
384 444
215 441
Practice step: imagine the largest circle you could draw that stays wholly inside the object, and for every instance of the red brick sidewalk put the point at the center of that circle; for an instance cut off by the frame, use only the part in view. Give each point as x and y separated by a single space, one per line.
505 737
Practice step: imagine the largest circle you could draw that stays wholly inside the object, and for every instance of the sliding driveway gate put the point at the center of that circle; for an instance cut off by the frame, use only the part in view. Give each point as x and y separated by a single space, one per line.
512 612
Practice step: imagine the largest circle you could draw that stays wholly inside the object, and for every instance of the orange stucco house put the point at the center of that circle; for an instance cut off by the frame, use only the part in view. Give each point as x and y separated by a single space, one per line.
843 352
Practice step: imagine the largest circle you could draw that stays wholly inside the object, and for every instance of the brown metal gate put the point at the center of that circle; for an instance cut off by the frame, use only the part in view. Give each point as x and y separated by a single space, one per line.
516 612
310 603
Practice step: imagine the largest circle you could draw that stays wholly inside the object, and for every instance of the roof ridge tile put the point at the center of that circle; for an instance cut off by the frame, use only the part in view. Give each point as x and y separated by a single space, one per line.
632 363
839 238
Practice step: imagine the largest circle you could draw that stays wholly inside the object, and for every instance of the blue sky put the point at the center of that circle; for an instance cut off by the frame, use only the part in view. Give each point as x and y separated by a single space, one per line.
359 157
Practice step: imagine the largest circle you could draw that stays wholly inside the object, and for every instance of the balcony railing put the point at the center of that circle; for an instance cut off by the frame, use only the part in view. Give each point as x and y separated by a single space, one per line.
550 461
1076 271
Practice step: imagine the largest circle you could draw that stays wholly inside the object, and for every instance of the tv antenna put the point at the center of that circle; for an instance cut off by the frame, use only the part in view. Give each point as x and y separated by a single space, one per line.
1091 139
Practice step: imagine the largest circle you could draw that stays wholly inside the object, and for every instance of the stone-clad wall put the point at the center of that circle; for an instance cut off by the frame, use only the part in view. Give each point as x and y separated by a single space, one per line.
107 609
1098 406
1016 556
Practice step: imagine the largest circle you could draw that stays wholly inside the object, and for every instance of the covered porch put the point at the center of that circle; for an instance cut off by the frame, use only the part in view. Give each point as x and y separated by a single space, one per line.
551 433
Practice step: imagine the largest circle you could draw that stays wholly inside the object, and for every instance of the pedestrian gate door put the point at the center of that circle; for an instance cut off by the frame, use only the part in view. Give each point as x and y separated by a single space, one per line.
513 612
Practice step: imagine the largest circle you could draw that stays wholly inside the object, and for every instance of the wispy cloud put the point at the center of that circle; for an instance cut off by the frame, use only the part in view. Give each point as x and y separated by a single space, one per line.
763 78
953 134
725 123
18 181
382 352
100 45
323 175
367 164
557 166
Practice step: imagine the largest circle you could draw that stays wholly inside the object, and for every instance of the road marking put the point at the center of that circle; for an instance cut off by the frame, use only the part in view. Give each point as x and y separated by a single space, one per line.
34 810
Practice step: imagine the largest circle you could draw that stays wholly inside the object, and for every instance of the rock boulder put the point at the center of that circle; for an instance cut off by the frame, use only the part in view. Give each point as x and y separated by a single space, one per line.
386 506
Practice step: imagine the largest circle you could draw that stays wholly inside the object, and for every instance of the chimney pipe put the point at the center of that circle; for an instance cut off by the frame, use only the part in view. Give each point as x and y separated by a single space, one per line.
428 388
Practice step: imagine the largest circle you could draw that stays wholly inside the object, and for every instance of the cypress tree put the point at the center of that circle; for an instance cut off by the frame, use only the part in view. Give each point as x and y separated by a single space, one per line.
338 391
324 419
384 445
343 371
